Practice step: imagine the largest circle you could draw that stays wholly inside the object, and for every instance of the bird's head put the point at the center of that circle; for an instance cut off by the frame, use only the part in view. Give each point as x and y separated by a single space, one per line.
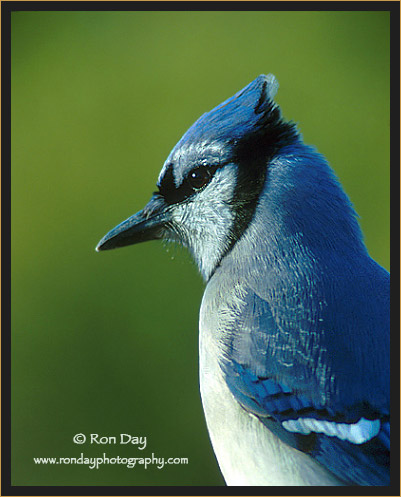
209 186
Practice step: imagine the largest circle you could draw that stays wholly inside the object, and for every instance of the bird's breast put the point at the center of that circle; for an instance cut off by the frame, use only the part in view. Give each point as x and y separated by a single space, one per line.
247 452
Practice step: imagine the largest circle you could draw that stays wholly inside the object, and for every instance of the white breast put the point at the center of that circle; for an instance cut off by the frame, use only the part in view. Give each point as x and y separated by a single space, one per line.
247 452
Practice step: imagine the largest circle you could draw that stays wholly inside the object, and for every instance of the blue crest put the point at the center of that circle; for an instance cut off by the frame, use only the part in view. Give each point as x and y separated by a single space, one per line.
248 122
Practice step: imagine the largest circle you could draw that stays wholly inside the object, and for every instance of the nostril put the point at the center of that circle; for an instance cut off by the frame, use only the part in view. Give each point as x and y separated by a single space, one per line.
155 204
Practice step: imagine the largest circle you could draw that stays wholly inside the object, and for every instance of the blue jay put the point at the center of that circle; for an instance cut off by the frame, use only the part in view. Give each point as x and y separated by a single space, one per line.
294 321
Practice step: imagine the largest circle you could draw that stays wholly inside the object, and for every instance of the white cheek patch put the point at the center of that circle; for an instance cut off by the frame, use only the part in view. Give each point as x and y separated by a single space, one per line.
205 220
357 433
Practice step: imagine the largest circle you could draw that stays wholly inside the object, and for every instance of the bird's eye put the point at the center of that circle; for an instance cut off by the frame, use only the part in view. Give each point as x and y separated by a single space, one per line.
199 177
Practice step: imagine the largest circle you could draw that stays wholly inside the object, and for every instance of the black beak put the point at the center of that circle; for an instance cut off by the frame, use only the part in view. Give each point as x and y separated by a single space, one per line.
147 224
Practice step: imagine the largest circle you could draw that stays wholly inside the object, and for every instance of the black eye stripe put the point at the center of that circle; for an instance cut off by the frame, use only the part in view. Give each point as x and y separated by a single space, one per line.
195 180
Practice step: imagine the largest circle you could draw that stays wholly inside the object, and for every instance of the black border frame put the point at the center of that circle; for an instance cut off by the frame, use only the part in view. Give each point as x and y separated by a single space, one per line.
7 7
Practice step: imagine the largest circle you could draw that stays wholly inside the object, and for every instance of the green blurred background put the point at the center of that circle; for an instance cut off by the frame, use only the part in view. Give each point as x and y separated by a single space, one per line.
107 343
